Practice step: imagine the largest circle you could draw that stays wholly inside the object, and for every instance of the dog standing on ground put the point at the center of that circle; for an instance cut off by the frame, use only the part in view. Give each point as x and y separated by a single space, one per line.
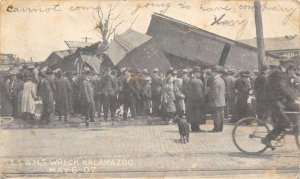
184 130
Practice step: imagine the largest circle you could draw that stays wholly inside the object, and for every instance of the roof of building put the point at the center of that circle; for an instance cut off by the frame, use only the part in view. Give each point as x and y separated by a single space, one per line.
74 45
63 53
277 43
124 43
189 42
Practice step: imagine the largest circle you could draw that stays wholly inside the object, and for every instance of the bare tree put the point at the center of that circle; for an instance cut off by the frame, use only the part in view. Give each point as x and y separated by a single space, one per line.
107 25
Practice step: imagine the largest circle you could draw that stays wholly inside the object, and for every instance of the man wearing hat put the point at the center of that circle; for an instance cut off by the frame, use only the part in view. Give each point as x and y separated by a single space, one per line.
156 87
216 97
147 96
46 93
63 89
260 84
110 88
87 98
17 87
185 81
195 101
131 91
50 78
230 93
281 97
170 71
242 87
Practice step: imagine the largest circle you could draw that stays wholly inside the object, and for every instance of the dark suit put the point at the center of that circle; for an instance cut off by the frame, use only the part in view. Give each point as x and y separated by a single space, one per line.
131 89
87 100
280 98
156 86
230 96
242 109
46 94
216 98
17 88
147 98
110 87
98 91
195 101
62 91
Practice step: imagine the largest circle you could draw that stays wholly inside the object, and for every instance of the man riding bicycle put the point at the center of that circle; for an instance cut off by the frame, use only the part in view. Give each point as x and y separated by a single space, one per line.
281 97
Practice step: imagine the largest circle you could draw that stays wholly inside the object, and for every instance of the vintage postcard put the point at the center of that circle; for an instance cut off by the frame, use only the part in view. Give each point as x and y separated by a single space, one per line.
149 88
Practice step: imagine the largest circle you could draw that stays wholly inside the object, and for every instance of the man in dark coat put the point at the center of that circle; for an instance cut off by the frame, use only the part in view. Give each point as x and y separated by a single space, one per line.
75 85
87 98
25 71
216 96
147 96
17 87
50 79
68 77
61 94
46 94
195 101
185 85
156 86
98 90
260 84
230 93
281 97
242 86
110 88
131 90
6 108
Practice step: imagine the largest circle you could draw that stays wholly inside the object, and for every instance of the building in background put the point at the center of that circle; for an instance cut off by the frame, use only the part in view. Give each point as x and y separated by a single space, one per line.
282 47
136 51
90 57
58 56
186 45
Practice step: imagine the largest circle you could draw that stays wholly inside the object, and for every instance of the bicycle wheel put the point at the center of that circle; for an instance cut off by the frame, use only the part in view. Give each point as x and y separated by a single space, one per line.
247 135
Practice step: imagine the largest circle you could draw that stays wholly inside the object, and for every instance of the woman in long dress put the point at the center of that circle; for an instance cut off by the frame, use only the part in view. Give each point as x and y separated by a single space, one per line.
168 98
28 96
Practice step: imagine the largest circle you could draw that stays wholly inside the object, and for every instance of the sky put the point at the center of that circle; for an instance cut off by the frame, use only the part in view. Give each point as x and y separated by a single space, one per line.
37 33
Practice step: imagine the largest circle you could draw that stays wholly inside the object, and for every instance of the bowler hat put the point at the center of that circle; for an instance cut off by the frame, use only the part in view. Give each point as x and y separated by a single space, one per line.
245 73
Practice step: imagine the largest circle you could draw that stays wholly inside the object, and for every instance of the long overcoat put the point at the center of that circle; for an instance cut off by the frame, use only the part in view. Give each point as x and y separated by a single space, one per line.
62 90
216 94
28 95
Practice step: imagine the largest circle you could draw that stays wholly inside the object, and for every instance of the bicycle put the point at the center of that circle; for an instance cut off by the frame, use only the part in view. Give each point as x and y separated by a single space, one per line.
254 130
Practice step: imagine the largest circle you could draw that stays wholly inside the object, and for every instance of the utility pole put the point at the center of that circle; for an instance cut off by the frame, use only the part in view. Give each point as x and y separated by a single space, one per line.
86 39
259 34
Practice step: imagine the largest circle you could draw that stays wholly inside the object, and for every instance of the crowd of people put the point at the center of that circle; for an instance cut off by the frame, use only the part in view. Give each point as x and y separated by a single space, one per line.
186 93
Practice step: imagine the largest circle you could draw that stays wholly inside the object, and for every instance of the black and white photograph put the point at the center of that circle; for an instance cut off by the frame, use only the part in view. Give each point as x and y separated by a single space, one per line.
150 89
